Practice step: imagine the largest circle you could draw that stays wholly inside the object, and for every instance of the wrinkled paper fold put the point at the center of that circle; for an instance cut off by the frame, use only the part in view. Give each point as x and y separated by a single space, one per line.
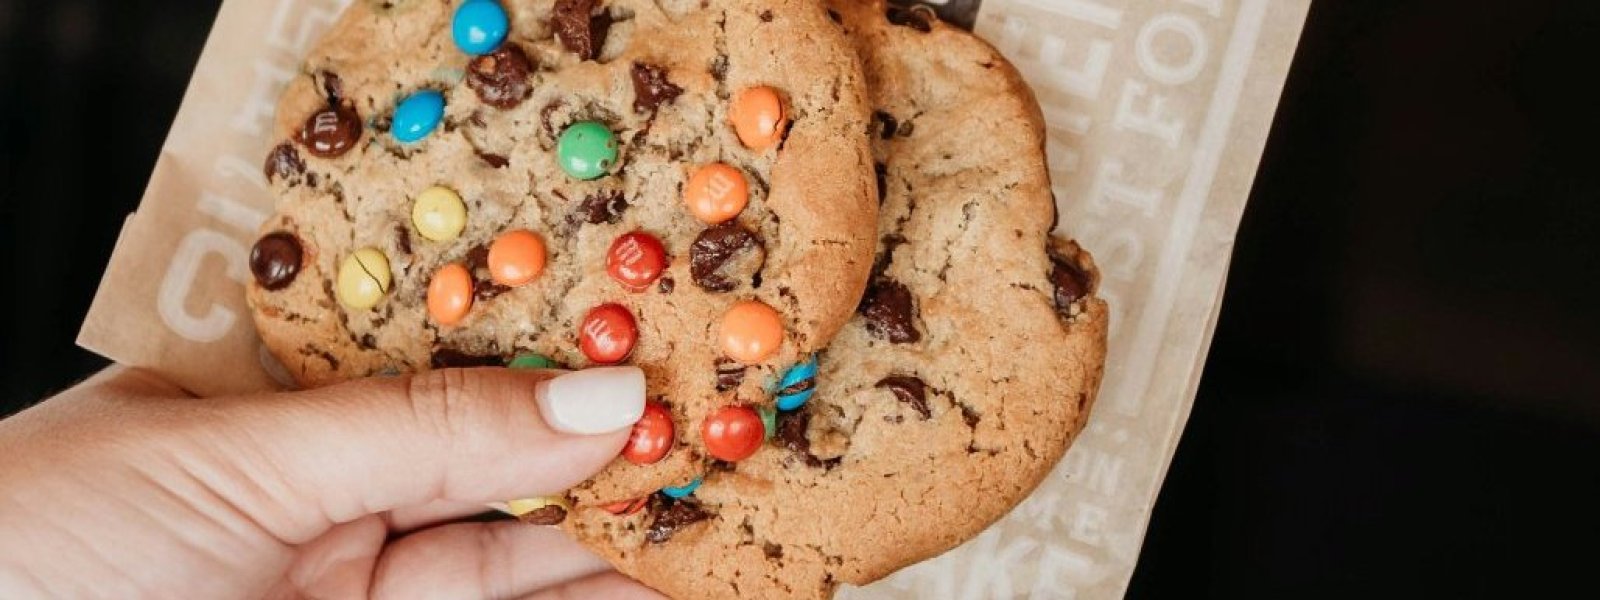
1158 111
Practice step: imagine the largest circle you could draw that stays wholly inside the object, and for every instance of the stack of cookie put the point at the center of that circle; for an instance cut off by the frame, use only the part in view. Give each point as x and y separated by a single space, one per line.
821 229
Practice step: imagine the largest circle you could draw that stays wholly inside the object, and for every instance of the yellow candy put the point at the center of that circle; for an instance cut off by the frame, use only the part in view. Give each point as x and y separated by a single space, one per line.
439 214
364 278
528 505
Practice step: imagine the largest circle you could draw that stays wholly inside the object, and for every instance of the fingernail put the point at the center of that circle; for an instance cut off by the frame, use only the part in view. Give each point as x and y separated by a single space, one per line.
592 401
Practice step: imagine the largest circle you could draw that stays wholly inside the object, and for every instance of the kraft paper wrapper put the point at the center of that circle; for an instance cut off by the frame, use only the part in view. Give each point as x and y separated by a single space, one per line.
1158 112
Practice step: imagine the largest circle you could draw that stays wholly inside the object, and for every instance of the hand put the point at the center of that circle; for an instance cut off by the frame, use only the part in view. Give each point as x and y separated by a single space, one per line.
125 487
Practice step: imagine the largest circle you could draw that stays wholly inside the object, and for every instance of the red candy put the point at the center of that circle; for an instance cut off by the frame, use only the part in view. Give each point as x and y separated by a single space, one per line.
607 334
651 437
733 433
636 260
627 507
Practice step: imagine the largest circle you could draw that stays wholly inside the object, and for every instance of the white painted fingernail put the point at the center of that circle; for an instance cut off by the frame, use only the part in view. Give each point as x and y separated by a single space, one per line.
592 401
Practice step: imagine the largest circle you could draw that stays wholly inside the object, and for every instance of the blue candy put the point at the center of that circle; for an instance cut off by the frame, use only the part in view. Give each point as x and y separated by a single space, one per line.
480 26
417 116
683 490
804 372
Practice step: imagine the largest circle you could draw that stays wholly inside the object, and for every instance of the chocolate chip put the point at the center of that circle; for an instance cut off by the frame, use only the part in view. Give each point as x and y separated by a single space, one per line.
581 26
666 285
1071 283
651 88
886 124
548 111
605 206
730 374
766 16
367 342
402 237
284 163
882 172
673 517
722 255
493 160
889 311
834 14
914 18
275 260
969 416
771 550
791 435
331 132
910 390
501 77
552 514
446 358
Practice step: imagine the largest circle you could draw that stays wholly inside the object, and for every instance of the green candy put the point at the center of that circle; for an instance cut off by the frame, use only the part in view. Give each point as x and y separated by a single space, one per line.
532 361
587 150
769 421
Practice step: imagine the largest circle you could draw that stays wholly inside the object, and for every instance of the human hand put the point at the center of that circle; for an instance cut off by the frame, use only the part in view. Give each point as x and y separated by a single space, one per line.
125 487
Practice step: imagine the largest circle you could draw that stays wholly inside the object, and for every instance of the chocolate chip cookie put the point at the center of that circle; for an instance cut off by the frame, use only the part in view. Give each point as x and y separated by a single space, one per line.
681 185
972 363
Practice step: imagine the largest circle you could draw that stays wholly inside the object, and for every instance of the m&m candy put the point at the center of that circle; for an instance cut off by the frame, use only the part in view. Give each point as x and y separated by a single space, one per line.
769 421
652 436
636 260
758 117
751 332
607 334
682 491
733 433
479 26
450 294
798 384
586 150
716 193
439 214
364 278
532 361
417 116
516 257
627 507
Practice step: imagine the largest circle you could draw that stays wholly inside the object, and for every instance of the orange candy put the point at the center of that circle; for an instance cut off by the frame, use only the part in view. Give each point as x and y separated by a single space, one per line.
716 193
450 294
757 115
751 332
516 257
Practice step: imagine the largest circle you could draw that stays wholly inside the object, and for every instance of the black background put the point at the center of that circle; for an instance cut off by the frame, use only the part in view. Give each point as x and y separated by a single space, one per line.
1403 397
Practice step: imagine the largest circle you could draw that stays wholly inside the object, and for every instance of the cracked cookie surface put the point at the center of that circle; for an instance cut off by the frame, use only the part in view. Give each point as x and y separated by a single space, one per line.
660 76
971 365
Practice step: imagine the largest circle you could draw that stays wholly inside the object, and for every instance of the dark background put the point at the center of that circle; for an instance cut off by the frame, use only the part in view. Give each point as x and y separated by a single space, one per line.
1403 397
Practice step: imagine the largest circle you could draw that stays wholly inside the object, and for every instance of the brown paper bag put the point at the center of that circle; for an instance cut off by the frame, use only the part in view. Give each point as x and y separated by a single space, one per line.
1158 111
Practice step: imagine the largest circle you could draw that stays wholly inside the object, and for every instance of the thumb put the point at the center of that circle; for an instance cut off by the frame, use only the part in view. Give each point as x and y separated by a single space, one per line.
301 462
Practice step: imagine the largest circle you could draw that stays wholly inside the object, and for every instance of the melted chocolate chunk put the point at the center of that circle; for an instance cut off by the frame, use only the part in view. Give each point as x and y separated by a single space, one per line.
771 550
1071 283
886 124
730 373
331 132
275 260
581 25
284 163
501 77
604 207
723 254
493 160
666 285
548 515
791 435
669 519
446 358
889 312
484 286
651 88
914 18
910 390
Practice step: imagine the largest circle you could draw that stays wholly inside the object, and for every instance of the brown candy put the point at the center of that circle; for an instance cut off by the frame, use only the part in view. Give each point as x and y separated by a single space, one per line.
275 260
284 163
669 519
651 88
581 25
889 312
910 390
501 77
723 255
331 132
1071 283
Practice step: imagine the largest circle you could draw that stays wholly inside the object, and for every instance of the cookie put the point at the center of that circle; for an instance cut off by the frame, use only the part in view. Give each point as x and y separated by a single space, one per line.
971 365
684 186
